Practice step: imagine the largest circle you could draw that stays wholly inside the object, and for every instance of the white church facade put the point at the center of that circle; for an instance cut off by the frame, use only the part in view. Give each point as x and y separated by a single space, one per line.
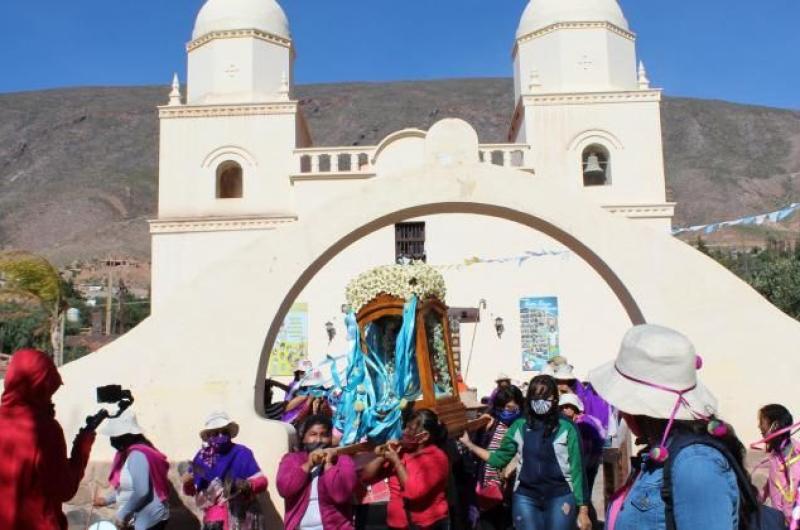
571 213
237 160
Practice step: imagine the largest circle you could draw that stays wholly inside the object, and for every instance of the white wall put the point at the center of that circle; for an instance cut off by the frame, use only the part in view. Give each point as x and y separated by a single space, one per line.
192 149
179 258
592 319
629 130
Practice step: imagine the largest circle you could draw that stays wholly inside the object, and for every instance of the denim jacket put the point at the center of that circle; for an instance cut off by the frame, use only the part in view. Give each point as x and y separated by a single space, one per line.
704 488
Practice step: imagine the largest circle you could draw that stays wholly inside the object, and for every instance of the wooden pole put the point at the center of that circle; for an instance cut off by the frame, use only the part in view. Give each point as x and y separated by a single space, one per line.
109 297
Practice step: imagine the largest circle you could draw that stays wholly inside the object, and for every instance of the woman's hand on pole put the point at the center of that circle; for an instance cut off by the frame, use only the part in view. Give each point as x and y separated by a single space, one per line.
584 521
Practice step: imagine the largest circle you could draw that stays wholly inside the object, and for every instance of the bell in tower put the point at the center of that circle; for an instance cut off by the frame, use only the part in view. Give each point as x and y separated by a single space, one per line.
595 165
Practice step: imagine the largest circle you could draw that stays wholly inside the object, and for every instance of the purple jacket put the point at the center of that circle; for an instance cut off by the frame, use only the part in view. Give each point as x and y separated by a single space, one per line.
335 487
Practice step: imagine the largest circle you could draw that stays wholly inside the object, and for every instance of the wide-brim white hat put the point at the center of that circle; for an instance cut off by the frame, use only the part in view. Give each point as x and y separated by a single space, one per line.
564 372
219 420
548 369
103 525
572 400
502 376
654 365
125 424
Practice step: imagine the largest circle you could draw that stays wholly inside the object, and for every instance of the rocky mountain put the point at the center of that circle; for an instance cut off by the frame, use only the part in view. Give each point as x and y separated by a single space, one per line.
78 166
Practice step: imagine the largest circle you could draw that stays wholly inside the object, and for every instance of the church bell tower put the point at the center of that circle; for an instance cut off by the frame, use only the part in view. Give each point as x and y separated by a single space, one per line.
226 153
587 109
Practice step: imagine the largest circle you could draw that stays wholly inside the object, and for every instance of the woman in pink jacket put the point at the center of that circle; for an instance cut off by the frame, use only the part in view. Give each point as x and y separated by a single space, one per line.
784 459
316 484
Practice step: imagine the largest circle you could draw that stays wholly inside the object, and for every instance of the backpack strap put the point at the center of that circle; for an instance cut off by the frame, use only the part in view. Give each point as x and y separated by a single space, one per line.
681 442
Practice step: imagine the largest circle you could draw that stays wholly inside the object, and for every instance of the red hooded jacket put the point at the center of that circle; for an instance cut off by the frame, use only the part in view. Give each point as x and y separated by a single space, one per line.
35 474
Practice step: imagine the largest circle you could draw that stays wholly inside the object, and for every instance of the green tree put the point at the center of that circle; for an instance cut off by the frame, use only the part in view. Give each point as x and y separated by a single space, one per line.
778 279
30 281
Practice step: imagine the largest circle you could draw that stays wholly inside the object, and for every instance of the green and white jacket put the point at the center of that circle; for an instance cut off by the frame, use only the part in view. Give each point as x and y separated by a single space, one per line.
550 464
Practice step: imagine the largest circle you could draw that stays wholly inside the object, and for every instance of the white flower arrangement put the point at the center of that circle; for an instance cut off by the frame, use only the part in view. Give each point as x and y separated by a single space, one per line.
403 281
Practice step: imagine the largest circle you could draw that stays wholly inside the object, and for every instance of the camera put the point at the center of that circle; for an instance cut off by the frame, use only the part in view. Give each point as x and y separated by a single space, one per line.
113 395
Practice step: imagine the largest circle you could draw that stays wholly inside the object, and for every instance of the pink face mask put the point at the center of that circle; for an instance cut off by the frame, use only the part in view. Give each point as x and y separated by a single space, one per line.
757 446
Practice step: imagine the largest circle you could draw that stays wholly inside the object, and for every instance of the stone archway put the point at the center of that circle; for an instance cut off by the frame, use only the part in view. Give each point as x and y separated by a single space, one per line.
613 281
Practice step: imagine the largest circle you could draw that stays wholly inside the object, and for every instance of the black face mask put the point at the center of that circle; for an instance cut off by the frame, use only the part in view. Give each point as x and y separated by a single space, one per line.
118 443
311 447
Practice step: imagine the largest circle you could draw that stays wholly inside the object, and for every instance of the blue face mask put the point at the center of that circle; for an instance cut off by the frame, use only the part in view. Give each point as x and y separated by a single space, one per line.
508 416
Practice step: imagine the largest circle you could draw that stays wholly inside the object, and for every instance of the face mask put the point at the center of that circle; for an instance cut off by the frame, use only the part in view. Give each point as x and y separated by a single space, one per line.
541 407
118 444
410 442
508 417
220 442
313 446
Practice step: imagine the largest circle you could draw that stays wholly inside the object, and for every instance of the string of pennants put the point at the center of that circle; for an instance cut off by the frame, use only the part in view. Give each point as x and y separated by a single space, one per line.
771 217
519 260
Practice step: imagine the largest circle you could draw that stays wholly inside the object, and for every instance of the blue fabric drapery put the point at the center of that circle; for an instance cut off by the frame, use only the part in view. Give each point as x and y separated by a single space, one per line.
375 394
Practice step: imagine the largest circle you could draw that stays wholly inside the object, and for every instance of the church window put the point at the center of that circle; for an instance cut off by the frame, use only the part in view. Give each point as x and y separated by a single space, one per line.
229 181
596 166
305 164
325 163
497 158
409 241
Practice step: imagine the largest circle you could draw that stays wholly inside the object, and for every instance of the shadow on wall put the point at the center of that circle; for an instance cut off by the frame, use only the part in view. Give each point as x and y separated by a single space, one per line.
183 513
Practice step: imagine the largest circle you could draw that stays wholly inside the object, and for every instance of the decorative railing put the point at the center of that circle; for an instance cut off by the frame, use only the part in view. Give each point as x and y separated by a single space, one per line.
505 155
357 161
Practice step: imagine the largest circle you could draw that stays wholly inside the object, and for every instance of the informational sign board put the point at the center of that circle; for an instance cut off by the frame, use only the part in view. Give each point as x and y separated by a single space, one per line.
292 342
538 317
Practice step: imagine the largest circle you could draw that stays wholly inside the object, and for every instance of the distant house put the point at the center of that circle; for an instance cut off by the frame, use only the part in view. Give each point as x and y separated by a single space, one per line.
4 360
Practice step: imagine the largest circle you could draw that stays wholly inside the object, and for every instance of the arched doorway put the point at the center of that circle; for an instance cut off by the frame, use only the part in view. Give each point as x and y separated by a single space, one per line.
600 267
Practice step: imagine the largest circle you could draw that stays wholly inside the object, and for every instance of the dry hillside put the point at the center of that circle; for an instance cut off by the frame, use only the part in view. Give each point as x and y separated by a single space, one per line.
78 166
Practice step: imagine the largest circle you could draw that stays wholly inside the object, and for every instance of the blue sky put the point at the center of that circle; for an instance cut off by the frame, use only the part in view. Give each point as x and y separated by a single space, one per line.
737 50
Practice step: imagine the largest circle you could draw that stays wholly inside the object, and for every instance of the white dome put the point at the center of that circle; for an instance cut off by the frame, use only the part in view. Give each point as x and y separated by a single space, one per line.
542 13
223 15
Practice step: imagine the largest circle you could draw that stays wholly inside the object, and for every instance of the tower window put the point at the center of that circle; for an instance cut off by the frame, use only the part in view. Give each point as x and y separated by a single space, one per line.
409 241
229 181
596 166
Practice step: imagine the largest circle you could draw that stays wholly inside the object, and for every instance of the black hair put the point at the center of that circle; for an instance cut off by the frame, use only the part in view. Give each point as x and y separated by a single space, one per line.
506 395
779 416
542 387
311 421
124 441
429 422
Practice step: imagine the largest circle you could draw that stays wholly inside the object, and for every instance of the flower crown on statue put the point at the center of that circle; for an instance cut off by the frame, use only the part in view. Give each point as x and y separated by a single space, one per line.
402 280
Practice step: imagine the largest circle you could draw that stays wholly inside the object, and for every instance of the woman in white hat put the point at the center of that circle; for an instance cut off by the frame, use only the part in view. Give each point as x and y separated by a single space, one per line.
138 477
592 440
225 479
691 458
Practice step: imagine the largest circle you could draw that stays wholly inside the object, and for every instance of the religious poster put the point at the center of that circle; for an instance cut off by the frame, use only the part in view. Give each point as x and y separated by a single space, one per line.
292 342
539 329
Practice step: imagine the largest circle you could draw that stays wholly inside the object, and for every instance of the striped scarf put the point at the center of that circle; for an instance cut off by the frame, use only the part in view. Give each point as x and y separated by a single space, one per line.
491 474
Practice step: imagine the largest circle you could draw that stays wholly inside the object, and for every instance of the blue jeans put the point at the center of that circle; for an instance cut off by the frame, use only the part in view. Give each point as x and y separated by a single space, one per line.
558 513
